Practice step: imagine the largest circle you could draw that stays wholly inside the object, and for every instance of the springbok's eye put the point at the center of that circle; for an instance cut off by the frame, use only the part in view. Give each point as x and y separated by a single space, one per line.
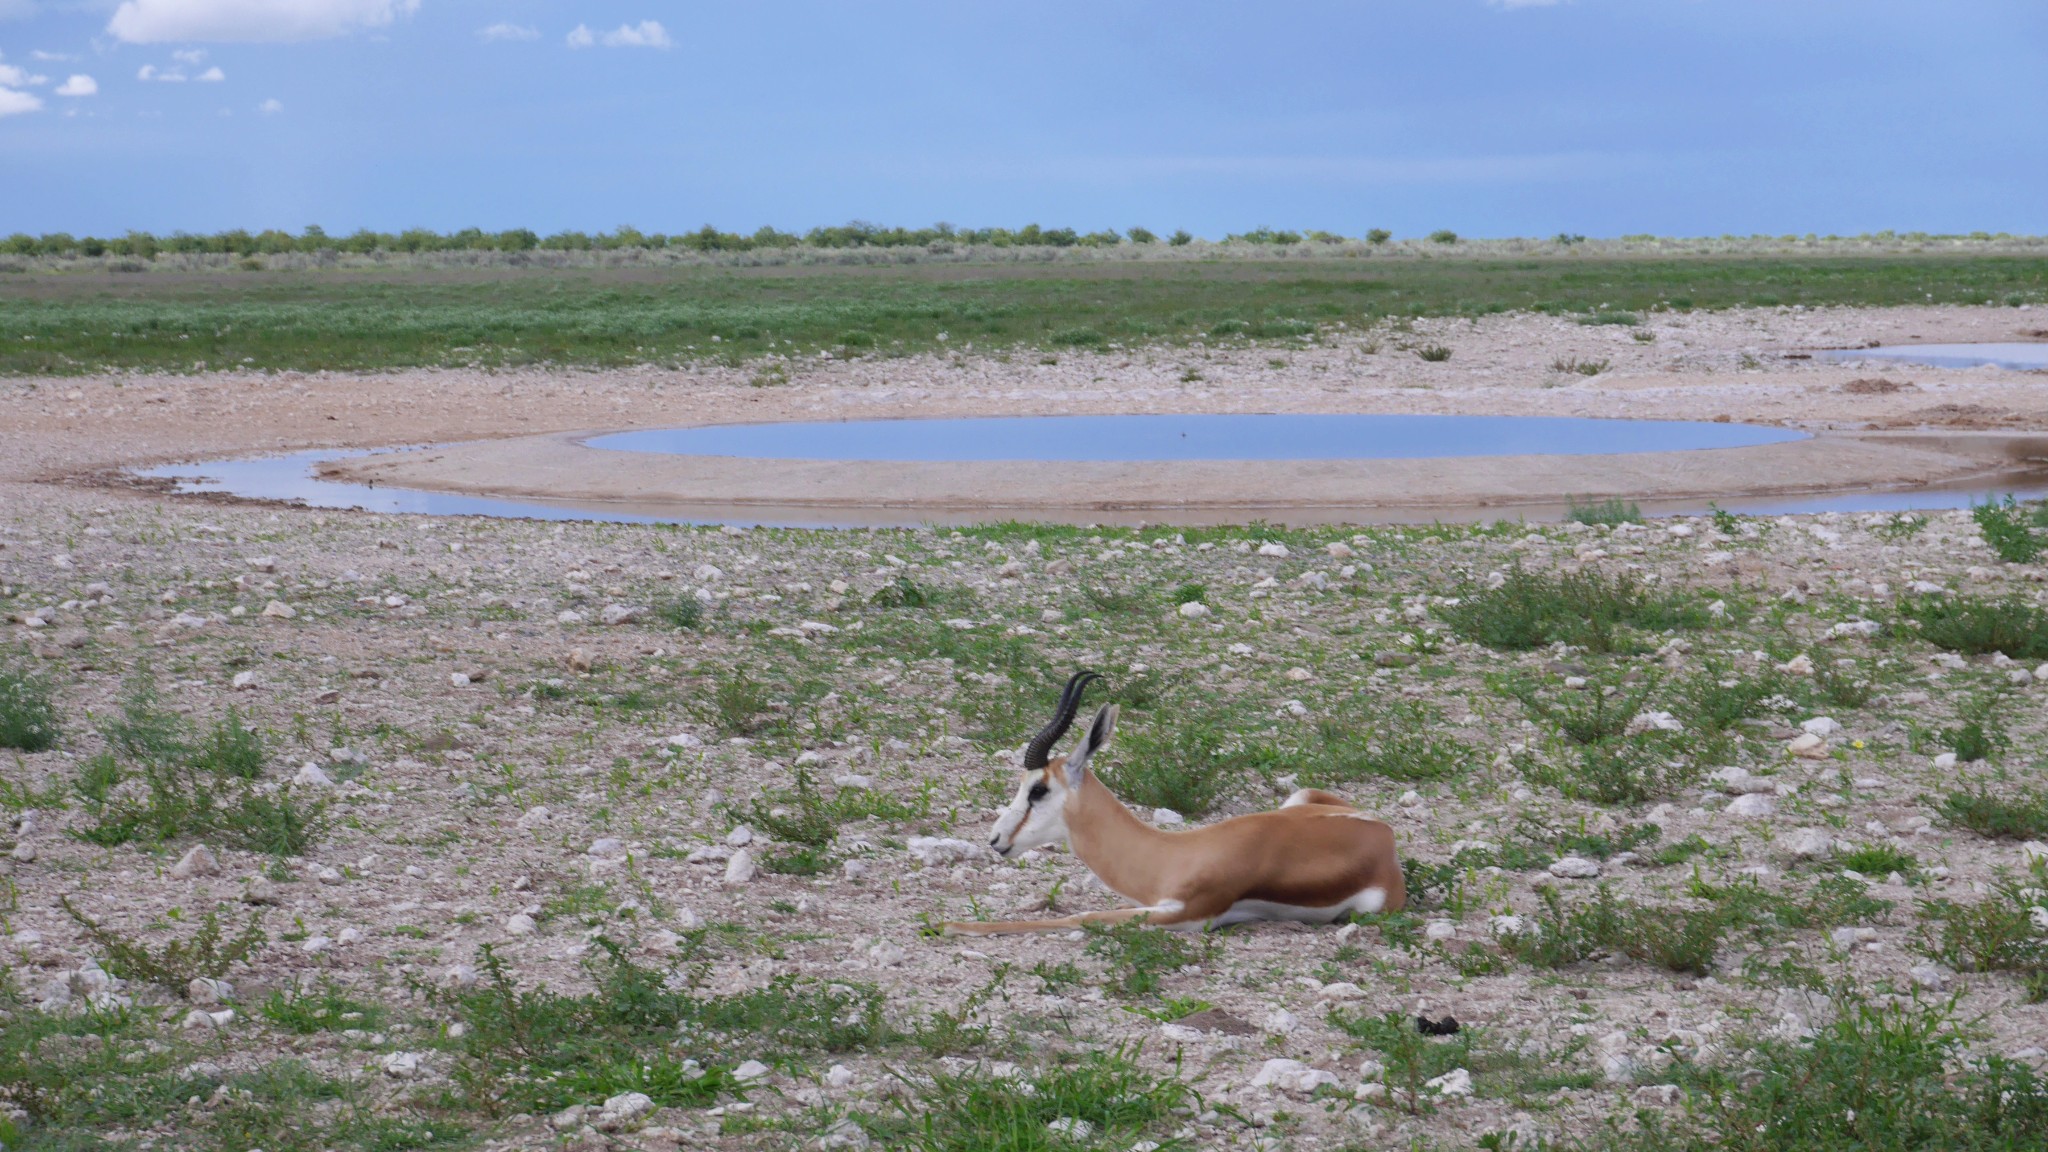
1036 794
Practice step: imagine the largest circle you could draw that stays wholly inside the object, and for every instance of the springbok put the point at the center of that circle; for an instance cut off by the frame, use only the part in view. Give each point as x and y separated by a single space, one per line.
1314 859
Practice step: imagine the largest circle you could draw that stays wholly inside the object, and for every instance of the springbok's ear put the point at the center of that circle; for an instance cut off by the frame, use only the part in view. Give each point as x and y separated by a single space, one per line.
1093 741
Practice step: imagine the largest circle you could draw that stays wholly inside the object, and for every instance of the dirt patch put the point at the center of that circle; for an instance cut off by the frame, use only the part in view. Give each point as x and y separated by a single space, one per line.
1876 386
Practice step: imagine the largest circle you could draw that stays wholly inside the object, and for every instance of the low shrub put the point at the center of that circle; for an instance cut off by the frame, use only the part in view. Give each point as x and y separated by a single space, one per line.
1979 627
28 710
1586 609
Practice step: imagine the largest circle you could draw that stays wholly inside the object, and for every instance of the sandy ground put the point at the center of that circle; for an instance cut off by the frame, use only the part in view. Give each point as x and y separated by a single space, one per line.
493 752
1734 366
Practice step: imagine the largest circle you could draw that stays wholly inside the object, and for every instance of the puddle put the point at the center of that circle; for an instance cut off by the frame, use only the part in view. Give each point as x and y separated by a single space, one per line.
1152 438
290 479
2024 357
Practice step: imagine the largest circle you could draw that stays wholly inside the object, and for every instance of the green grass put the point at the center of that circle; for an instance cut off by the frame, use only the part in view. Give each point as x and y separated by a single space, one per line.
1140 957
208 951
1673 937
368 319
325 1009
2008 527
2020 817
1979 627
28 710
1587 609
1109 1092
1185 762
1613 510
1880 1077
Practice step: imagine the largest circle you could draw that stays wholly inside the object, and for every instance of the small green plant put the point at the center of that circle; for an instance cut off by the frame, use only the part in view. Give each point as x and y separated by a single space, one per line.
1103 1099
231 749
1572 365
1434 353
1443 236
1182 762
1191 594
1598 713
1618 319
1879 860
1675 938
2020 817
1996 934
1979 627
324 1009
682 613
208 952
1587 609
1378 236
2008 527
1613 510
28 710
1140 956
738 704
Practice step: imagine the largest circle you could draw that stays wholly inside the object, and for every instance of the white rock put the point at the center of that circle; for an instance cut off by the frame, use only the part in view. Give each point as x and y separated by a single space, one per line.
243 681
629 1105
1808 843
1300 674
535 816
616 614
1654 722
740 868
1341 990
1575 868
1291 1076
854 869
1071 1128
312 775
839 1076
2033 850
328 875
1456 1082
751 1070
1800 665
315 945
1738 782
1945 761
1193 610
402 1065
1807 746
1340 550
520 924
1272 548
209 993
853 780
1440 930
1279 1022
1165 817
1932 977
942 849
458 679
887 955
1619 1068
1821 726
459 976
606 846
740 837
279 610
1753 806
199 861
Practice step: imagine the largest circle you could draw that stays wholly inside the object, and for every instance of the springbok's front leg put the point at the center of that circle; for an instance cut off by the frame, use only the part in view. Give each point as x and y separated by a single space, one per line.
1167 914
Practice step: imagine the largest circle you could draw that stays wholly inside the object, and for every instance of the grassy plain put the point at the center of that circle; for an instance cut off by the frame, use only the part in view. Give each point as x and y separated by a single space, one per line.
360 320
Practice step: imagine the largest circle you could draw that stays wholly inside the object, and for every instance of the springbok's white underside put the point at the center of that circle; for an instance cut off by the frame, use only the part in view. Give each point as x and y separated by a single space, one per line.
1245 911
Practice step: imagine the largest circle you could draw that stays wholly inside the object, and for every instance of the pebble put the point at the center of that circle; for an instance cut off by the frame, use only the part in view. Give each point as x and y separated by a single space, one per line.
1071 1129
1440 930
520 924
402 1065
751 1070
1193 610
243 682
1292 1076
740 837
628 1105
312 775
199 861
1272 548
1165 817
1342 990
1456 1082
1753 806
839 1076
1279 1022
279 610
1809 843
1575 868
740 868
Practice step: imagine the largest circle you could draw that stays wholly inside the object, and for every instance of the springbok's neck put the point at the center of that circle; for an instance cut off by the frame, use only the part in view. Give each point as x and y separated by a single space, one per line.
1122 850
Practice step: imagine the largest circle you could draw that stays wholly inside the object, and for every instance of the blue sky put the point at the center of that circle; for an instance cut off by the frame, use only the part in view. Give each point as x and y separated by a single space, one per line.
1490 117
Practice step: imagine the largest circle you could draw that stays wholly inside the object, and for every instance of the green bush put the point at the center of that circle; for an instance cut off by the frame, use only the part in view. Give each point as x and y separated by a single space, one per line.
1185 762
1586 609
1613 510
1979 627
1675 938
28 710
1140 956
2021 817
177 962
2007 527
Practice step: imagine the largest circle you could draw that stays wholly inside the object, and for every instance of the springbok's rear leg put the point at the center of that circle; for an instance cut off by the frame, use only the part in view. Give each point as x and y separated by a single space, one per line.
1168 914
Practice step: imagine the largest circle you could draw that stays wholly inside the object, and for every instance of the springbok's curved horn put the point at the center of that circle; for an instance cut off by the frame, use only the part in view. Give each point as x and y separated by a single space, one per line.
1062 719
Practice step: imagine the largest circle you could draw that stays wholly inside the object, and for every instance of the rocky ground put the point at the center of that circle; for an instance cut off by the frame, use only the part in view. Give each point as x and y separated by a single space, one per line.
633 836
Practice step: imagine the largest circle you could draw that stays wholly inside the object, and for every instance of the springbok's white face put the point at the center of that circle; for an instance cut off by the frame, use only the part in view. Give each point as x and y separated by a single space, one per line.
1037 815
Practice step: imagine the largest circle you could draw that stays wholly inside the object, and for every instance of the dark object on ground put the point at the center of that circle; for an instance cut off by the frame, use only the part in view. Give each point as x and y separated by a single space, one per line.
1448 1026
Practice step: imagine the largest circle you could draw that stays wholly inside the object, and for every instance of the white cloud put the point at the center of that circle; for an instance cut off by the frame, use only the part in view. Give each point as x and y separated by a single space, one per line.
506 32
270 107
49 57
250 21
14 77
212 75
14 103
79 85
646 34
151 73
189 55
1524 3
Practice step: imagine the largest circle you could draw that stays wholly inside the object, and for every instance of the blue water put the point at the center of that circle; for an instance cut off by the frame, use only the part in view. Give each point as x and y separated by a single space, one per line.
2022 357
290 479
1192 438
